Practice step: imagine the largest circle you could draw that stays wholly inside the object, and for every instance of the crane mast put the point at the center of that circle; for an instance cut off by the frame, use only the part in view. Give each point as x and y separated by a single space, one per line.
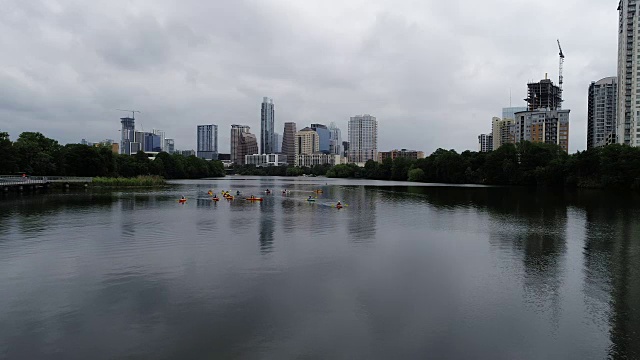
560 77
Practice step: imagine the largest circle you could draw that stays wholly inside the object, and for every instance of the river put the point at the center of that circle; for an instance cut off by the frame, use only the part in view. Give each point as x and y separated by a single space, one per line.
403 271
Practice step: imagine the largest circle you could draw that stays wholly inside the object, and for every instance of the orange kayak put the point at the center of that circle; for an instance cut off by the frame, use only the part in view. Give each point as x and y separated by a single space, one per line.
254 199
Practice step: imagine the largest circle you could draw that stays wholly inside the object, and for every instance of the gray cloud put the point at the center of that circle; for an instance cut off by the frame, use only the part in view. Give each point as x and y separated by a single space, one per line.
433 72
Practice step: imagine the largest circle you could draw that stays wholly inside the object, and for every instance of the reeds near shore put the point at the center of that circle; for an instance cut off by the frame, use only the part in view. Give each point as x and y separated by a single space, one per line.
140 181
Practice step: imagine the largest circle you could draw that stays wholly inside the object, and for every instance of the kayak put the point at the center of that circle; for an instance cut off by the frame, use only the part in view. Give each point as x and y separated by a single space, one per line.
338 206
254 199
229 197
311 200
182 201
215 199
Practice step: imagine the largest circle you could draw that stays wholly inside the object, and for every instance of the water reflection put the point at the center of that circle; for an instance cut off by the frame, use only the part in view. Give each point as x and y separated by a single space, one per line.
362 214
612 256
267 225
501 272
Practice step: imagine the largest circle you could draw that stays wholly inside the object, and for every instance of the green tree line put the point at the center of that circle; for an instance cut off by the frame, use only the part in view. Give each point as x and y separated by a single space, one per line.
525 163
34 154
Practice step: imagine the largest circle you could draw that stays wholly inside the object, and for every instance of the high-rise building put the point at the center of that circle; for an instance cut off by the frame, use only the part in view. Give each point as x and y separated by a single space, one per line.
277 144
510 112
363 138
628 106
127 134
307 142
137 144
601 115
311 160
345 149
324 136
151 142
545 121
404 153
170 146
543 95
267 127
335 146
543 126
207 142
162 136
502 131
485 142
243 143
289 142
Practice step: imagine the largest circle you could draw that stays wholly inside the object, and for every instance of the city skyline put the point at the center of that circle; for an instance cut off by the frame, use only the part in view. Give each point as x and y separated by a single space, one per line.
177 72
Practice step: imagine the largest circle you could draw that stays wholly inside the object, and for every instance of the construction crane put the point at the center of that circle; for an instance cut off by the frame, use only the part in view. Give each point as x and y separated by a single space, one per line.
133 116
560 77
133 112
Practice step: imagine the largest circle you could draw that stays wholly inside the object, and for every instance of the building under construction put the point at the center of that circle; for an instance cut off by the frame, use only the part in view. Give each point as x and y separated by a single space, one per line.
543 95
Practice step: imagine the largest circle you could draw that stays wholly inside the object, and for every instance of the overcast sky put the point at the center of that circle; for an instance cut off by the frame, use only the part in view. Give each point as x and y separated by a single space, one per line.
434 72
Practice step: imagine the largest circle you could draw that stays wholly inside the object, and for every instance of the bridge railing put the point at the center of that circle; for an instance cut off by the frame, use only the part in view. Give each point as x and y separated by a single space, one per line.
68 179
19 180
12 180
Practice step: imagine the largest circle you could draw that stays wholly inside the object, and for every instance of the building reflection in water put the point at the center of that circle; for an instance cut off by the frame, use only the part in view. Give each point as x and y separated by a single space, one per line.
528 229
267 225
362 212
612 266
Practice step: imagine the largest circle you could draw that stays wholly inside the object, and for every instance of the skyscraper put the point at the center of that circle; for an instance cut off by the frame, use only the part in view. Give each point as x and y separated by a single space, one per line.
628 105
162 136
208 142
363 138
243 143
267 127
485 142
127 134
345 149
545 121
335 146
307 142
502 131
601 116
289 142
170 146
324 136
277 143
151 142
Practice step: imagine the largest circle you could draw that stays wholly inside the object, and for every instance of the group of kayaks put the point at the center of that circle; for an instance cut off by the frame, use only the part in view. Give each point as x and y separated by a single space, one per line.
227 195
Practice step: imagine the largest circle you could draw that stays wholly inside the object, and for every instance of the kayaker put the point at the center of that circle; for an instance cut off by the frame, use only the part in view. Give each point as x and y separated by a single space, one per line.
238 193
183 198
310 198
339 203
215 198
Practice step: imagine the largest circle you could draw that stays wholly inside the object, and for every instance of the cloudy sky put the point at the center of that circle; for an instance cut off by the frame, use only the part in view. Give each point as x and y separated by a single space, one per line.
433 72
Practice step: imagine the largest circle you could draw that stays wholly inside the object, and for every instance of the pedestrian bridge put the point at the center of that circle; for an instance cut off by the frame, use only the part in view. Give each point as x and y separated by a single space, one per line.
29 182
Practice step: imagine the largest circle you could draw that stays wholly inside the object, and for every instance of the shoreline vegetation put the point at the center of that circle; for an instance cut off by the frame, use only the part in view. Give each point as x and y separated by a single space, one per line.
36 155
524 164
139 181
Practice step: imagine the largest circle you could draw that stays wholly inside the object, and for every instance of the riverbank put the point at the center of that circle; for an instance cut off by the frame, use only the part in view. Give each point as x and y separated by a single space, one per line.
140 181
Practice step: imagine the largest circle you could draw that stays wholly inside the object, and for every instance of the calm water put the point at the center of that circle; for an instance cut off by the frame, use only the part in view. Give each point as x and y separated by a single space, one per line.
402 272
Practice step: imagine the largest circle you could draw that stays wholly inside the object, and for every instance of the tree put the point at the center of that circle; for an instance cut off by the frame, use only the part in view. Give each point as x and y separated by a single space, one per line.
37 154
8 163
416 175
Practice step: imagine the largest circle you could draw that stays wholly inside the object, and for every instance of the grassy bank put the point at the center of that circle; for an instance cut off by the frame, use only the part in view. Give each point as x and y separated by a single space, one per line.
140 181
